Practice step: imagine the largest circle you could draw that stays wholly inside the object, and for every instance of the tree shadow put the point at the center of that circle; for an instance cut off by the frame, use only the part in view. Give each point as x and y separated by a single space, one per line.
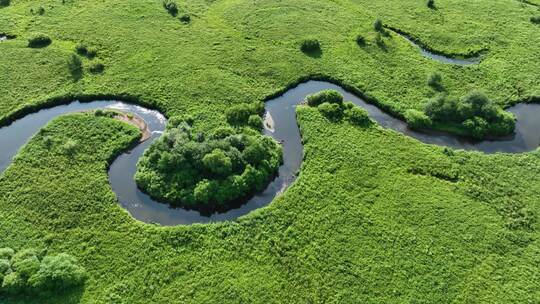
317 53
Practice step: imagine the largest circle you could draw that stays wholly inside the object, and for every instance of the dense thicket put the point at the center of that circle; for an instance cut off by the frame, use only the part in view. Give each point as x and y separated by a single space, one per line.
39 40
479 115
210 171
29 271
331 104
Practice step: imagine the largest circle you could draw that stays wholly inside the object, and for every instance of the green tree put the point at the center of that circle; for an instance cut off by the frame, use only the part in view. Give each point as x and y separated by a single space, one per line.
218 163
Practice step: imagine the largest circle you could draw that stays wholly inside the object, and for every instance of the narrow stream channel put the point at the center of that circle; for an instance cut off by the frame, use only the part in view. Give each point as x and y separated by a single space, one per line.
438 57
281 111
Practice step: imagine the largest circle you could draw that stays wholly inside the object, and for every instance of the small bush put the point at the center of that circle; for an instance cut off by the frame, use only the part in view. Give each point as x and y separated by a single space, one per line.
431 4
357 116
434 80
417 119
255 121
330 96
171 7
96 67
75 66
39 41
378 26
477 127
4 3
310 46
185 18
360 40
239 114
81 49
41 11
332 111
535 19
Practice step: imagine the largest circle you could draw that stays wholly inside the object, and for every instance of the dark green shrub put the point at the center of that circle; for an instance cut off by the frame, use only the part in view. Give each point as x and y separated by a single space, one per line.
477 127
310 46
171 7
238 114
535 19
330 96
434 80
41 11
332 111
476 112
4 3
443 109
357 116
256 122
75 66
217 163
39 41
417 120
81 49
378 26
96 68
360 40
185 18
431 4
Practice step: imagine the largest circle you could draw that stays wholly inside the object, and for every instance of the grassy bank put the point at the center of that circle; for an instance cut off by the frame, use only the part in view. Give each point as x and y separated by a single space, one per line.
374 217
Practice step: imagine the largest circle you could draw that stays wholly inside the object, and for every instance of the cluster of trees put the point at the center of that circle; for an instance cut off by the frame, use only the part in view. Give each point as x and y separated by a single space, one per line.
28 271
331 104
210 171
476 113
39 40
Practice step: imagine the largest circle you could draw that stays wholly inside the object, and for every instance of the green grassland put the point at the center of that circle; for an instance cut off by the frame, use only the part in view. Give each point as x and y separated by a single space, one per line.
374 217
421 226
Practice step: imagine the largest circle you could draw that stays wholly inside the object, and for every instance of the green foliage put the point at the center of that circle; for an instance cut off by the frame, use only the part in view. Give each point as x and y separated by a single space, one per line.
255 121
360 40
378 26
332 111
25 272
434 80
535 19
75 66
96 67
329 96
58 273
240 114
185 18
39 40
431 4
171 7
209 172
357 116
310 46
6 253
475 112
69 148
4 3
417 119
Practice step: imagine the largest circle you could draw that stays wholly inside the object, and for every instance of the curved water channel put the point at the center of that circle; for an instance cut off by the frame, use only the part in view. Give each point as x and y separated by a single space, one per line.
280 115
438 57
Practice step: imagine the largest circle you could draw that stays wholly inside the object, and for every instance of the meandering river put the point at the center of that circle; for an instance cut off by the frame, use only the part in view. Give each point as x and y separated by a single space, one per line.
280 114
